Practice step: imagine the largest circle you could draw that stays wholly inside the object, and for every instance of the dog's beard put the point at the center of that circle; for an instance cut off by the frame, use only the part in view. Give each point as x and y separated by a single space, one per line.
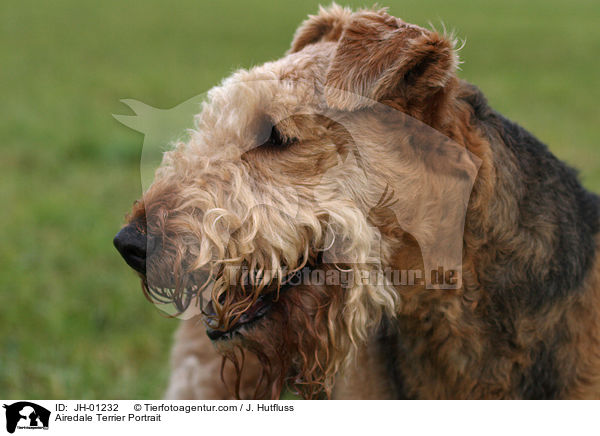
305 338
301 341
301 344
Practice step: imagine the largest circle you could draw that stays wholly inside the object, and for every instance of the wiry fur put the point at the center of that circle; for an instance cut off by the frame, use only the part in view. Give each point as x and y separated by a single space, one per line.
524 323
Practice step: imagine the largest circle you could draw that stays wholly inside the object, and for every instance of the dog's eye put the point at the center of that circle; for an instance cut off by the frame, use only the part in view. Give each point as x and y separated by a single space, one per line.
278 140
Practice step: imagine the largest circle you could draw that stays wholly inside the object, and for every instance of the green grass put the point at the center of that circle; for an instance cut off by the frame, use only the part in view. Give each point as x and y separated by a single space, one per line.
73 320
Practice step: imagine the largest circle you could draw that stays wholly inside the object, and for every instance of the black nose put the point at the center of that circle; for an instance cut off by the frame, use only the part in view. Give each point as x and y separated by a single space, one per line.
131 243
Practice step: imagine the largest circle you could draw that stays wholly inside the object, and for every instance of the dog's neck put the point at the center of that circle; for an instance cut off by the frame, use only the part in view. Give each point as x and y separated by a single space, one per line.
539 224
523 255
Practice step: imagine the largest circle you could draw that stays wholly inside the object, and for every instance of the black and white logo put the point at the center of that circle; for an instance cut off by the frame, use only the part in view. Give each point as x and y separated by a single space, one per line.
26 415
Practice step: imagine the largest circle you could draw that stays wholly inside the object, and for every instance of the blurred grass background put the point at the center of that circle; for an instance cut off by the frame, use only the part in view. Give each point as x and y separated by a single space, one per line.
73 322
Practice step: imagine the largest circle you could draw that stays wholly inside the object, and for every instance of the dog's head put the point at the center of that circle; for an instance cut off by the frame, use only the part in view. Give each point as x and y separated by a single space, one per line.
272 218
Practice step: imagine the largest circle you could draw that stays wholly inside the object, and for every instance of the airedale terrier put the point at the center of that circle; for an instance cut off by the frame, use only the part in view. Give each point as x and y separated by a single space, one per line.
358 152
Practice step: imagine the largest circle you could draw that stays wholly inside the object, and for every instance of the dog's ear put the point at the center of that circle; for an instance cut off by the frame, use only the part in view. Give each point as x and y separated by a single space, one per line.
381 57
327 25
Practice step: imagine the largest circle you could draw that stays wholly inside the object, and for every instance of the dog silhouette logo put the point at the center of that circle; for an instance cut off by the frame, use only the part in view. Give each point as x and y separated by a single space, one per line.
26 415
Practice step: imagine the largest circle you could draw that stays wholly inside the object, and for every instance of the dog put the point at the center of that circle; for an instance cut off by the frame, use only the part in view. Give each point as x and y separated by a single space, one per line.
361 152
